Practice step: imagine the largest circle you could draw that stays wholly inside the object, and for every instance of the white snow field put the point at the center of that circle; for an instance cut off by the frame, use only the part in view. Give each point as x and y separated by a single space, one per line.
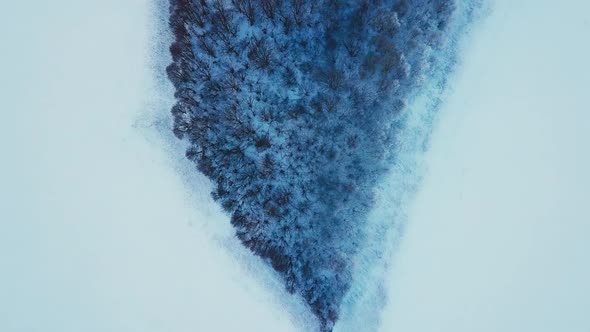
105 227
497 237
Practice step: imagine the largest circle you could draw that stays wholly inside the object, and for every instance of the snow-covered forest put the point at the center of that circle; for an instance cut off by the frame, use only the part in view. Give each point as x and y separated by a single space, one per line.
106 226
295 111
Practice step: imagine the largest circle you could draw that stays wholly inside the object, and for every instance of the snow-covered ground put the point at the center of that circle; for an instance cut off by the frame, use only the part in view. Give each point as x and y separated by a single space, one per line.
497 238
98 231
102 229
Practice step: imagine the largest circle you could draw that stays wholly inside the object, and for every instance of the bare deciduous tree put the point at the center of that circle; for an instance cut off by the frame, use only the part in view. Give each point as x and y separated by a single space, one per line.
246 8
260 53
297 10
269 8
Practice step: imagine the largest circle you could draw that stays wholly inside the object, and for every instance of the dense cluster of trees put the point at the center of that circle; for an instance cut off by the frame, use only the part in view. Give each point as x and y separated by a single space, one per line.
291 109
